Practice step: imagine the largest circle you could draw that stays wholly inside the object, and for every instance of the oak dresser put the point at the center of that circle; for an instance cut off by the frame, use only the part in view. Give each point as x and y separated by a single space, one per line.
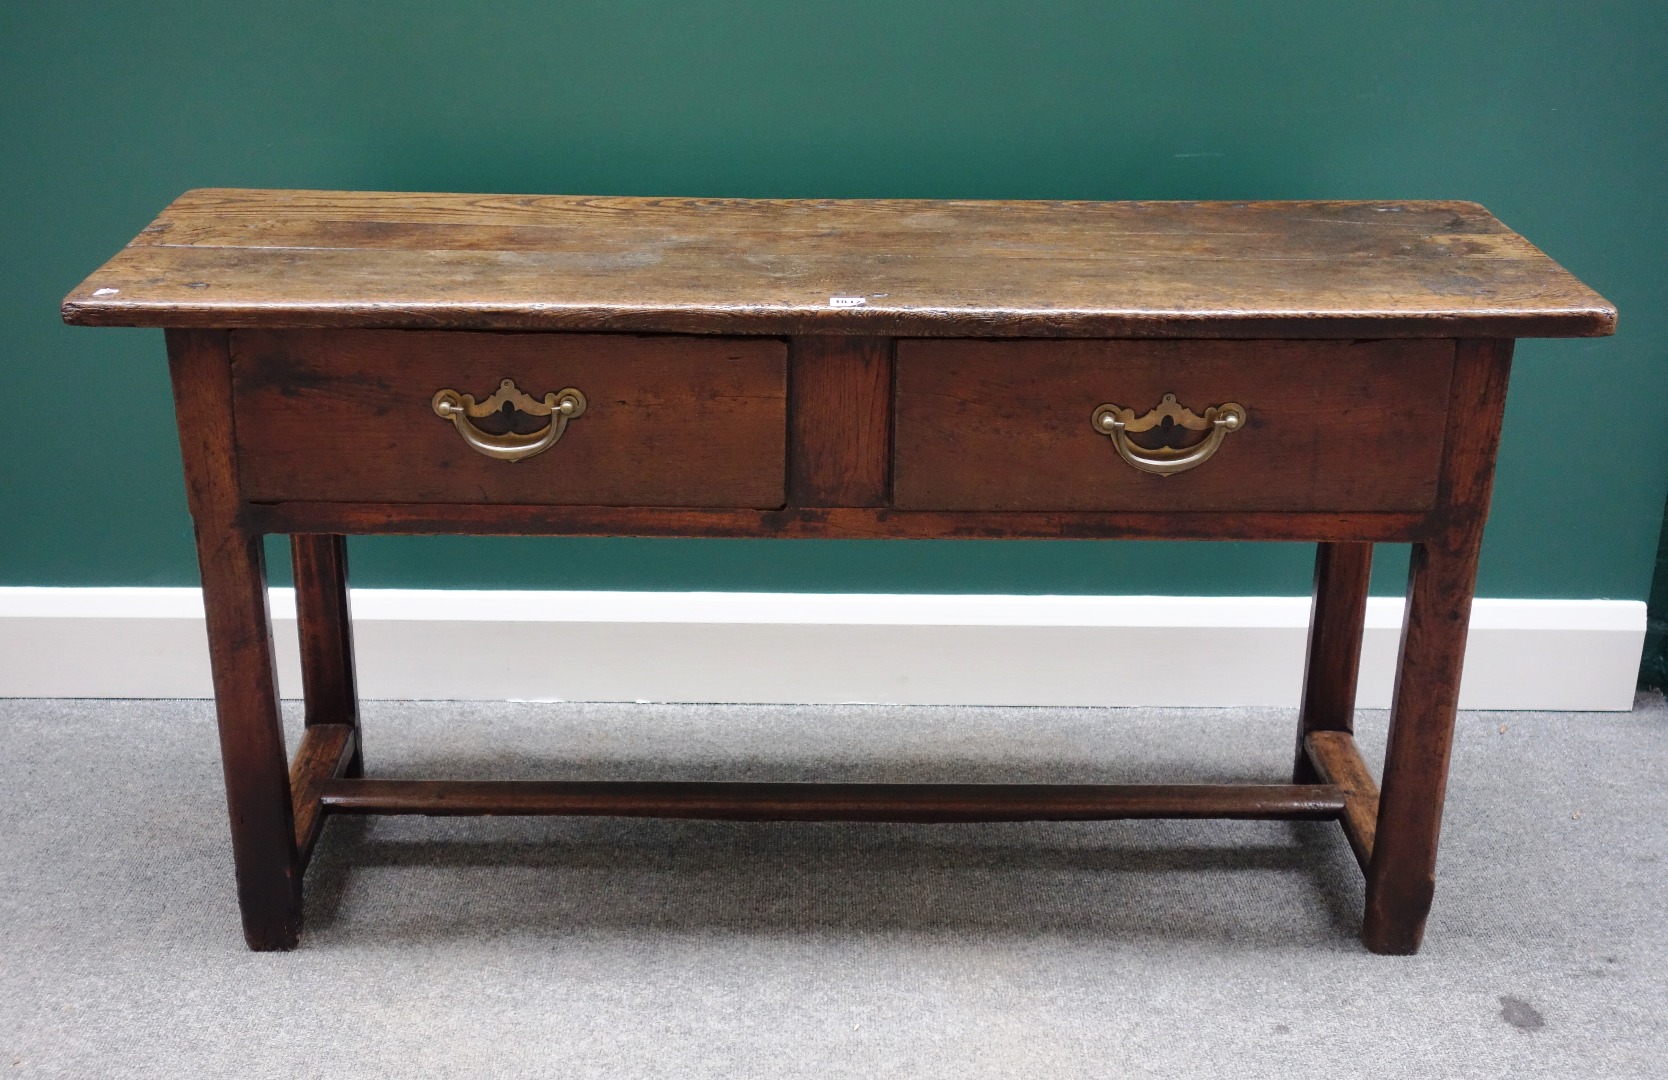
371 362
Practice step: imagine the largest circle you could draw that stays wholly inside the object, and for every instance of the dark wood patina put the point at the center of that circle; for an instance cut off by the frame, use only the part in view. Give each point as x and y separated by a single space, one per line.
757 369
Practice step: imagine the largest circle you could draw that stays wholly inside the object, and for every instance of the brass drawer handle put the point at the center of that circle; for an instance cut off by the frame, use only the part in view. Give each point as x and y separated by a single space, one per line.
562 406
1117 422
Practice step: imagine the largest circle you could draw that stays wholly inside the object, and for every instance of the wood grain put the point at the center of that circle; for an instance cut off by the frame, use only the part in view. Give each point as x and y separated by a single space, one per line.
1335 760
327 752
834 802
669 422
1332 668
1401 879
848 523
240 647
253 258
1005 425
840 421
324 622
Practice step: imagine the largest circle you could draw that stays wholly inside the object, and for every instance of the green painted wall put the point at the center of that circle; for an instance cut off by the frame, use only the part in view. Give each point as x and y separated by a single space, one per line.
1553 115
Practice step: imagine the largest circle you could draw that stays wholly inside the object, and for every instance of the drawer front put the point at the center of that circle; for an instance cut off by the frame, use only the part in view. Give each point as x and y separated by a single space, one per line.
1327 426
352 416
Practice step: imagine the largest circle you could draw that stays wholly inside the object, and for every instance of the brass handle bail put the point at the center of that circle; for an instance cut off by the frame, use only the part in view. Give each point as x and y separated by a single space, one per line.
561 406
1117 422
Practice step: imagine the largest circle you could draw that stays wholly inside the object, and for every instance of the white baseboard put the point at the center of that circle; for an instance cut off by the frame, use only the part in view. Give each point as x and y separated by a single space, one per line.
815 648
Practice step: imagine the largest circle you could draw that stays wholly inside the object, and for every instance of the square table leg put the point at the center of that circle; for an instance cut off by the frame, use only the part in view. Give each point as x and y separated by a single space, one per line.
326 630
233 566
269 869
1401 877
1337 618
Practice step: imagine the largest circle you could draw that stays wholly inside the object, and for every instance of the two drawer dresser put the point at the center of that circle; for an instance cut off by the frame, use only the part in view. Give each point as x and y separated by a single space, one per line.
370 362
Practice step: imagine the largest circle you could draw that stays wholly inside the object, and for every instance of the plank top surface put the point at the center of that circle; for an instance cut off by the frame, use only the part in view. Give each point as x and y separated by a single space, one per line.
254 258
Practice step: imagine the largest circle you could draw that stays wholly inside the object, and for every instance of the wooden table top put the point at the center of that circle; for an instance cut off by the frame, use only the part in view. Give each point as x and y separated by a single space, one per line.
253 258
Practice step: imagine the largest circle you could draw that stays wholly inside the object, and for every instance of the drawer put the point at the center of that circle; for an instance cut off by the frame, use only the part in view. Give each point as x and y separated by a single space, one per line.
352 416
1327 425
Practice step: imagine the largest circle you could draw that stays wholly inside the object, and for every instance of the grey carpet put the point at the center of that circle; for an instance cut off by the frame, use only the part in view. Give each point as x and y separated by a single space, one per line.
608 948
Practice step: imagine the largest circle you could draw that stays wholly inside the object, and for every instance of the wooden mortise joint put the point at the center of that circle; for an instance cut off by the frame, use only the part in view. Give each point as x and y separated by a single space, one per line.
1337 760
323 756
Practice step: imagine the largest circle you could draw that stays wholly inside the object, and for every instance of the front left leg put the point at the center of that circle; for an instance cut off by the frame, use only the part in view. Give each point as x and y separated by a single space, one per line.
252 755
233 566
